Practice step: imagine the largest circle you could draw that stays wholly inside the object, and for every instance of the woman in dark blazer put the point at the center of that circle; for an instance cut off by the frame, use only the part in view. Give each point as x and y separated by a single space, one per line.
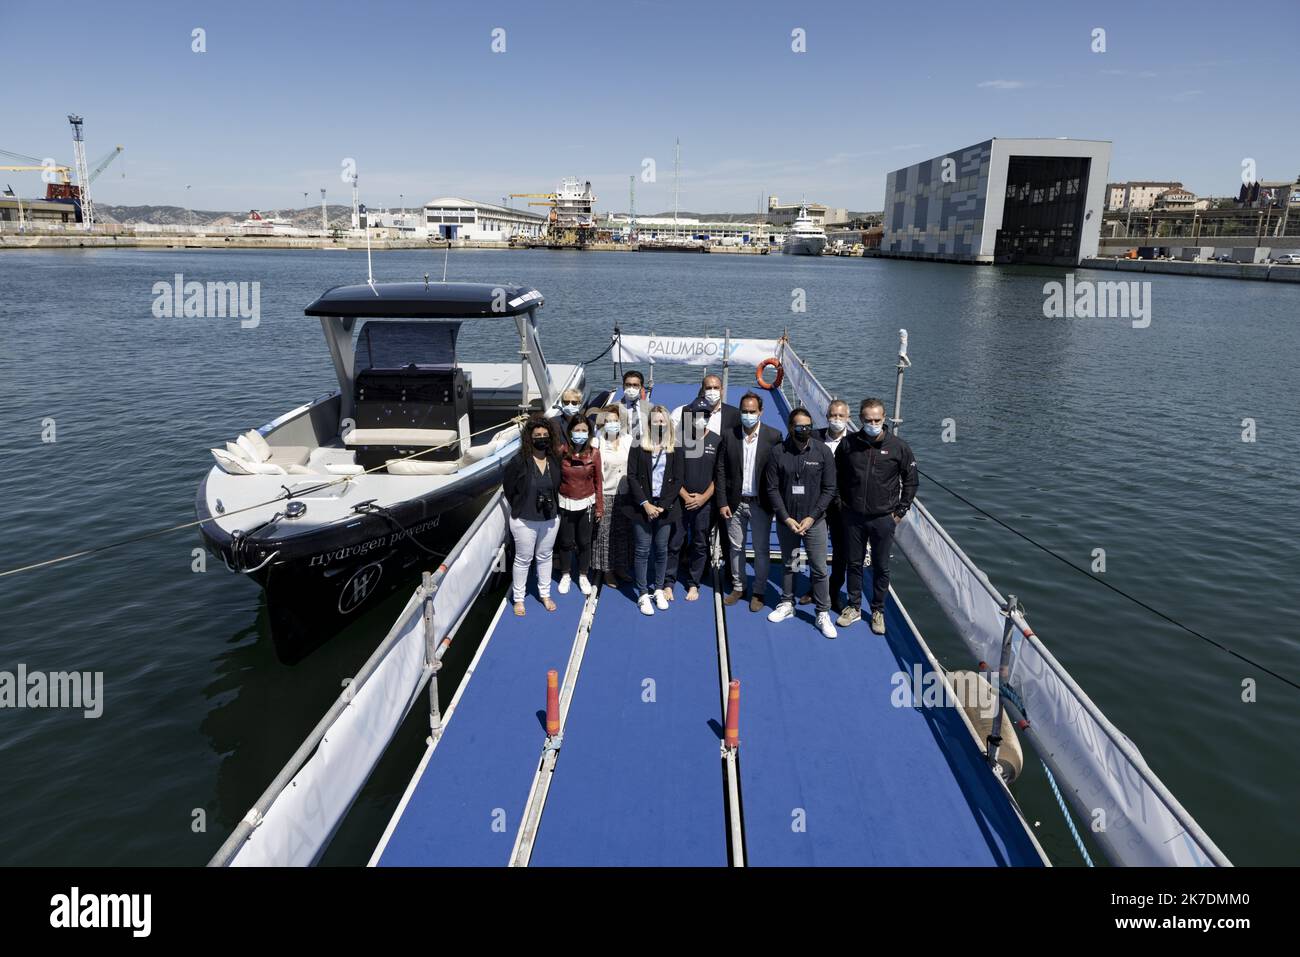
654 477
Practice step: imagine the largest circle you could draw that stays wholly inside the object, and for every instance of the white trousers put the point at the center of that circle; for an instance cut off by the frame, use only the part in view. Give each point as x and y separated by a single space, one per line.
533 541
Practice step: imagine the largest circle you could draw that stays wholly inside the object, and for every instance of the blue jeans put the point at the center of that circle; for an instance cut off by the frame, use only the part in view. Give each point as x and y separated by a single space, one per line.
650 553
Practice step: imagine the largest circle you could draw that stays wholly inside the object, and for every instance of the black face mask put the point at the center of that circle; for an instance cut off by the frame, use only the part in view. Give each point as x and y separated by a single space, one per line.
801 432
541 443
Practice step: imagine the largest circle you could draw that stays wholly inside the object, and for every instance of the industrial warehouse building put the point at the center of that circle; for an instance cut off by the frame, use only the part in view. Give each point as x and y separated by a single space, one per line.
1003 200
451 217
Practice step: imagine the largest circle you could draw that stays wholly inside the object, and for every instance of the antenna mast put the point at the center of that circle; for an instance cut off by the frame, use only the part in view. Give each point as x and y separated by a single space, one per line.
631 207
677 153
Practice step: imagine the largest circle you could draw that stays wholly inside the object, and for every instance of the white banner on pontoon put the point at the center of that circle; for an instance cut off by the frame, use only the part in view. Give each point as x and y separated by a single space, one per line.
1141 823
693 350
302 819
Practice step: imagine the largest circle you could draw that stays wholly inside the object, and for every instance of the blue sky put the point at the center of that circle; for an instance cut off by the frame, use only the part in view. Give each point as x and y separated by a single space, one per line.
413 92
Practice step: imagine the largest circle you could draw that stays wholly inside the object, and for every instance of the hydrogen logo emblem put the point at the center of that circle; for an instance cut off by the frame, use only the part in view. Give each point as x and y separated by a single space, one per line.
359 587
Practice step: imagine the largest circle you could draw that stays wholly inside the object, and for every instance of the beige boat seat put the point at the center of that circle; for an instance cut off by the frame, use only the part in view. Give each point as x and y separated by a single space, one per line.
404 437
476 453
251 454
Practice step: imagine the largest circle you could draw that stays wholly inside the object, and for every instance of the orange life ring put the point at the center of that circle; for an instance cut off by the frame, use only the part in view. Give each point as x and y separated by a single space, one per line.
771 362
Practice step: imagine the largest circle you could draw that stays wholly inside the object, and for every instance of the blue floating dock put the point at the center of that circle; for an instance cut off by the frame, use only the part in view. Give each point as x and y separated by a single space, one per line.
466 803
831 771
639 780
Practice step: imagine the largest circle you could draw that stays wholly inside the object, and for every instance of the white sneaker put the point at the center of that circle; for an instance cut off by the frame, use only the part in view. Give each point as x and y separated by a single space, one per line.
565 581
660 600
583 585
783 611
824 623
644 604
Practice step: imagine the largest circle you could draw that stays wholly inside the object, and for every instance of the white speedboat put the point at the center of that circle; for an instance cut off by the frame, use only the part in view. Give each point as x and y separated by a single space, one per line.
339 502
805 238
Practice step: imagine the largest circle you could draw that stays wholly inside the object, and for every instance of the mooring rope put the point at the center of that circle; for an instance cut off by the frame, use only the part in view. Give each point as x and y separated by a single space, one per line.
1065 811
1119 591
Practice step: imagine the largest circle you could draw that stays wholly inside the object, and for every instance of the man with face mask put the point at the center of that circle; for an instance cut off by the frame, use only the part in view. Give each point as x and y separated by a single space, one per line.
691 532
742 458
876 471
800 485
722 417
837 426
634 402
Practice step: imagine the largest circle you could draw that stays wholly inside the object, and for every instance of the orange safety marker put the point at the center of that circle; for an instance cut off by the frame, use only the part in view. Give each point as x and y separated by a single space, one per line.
731 735
552 703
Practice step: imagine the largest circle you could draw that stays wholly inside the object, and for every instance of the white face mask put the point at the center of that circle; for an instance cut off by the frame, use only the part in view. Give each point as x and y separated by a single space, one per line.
631 394
836 425
712 396
701 424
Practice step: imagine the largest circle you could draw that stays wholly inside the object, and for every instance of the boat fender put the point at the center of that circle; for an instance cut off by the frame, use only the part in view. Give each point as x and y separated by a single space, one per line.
978 700
771 362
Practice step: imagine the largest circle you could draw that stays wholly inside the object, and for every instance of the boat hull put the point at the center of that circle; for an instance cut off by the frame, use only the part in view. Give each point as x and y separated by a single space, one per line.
804 246
325 579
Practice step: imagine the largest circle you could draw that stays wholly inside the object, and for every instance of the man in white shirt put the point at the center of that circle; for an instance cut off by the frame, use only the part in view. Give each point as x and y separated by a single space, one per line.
742 456
634 403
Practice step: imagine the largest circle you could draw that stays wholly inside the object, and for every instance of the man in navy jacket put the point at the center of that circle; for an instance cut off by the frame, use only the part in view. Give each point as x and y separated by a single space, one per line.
799 484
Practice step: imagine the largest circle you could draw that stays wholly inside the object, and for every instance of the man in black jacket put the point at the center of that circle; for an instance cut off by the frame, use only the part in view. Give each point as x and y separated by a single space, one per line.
800 485
837 425
742 457
689 544
876 471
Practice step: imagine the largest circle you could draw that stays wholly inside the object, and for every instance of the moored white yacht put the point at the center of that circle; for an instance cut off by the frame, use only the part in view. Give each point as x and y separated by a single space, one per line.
805 238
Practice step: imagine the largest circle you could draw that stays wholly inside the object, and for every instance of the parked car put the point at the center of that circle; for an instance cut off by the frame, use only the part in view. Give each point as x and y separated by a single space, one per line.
1223 258
1288 259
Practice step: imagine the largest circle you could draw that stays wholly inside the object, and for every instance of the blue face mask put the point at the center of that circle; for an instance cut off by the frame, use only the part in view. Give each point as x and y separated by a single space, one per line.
570 409
749 419
612 428
871 429
579 438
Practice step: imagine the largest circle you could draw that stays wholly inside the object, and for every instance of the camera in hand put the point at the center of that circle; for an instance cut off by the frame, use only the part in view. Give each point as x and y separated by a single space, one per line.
546 504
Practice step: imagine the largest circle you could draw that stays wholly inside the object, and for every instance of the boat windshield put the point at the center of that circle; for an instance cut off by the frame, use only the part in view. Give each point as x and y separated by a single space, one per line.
395 345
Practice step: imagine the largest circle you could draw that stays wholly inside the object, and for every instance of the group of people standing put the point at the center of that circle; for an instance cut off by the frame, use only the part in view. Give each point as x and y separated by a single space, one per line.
634 487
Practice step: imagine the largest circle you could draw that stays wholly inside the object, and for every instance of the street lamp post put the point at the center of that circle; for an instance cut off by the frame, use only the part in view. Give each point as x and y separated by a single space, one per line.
189 210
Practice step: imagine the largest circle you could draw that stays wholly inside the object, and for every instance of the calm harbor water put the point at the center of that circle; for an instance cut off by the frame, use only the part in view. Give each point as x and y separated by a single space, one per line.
1083 433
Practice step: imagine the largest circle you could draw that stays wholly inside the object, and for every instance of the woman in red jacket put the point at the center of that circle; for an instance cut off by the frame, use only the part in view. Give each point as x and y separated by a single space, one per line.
582 502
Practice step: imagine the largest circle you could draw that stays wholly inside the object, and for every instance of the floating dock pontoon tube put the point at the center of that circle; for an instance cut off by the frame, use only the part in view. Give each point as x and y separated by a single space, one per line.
552 703
977 698
731 736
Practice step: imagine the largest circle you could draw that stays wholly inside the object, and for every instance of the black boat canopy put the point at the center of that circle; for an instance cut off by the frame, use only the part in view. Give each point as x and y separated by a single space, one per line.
418 300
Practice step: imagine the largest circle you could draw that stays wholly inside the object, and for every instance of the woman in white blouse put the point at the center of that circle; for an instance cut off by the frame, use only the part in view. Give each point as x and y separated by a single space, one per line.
611 549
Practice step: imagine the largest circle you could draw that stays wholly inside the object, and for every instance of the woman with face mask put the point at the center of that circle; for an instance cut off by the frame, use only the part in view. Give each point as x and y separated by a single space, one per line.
611 547
531 484
582 502
654 477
